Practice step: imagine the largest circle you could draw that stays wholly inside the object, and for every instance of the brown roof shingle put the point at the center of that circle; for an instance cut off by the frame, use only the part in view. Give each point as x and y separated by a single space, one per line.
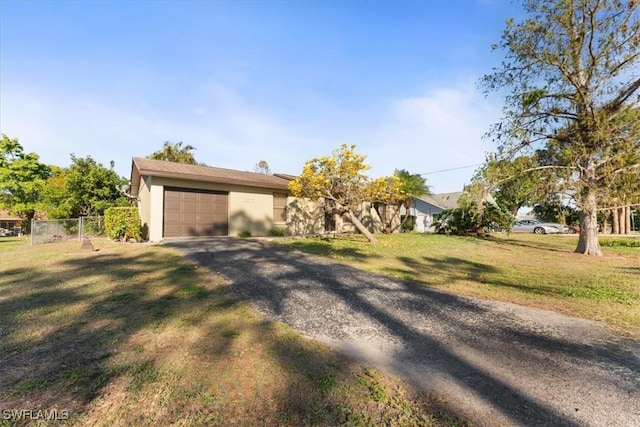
148 167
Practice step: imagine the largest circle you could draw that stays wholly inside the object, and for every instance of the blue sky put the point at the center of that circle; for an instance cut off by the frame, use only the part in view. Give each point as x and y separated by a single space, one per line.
244 81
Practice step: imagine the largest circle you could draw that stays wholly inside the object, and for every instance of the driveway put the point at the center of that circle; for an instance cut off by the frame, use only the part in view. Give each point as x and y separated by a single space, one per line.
497 363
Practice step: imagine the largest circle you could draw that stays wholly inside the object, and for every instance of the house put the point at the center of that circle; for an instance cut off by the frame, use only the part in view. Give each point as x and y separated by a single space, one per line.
178 200
8 221
424 207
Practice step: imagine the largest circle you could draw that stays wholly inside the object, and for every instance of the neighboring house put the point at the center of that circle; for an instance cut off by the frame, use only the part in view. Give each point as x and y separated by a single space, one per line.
8 221
423 208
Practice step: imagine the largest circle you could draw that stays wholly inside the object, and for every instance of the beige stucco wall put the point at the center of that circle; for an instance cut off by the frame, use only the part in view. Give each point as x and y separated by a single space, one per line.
144 204
250 208
304 217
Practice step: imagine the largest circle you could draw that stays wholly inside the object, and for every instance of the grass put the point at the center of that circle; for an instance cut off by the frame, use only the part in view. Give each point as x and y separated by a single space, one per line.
539 271
134 334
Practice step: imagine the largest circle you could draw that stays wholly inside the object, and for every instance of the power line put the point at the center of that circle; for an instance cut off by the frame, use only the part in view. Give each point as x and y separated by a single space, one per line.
452 169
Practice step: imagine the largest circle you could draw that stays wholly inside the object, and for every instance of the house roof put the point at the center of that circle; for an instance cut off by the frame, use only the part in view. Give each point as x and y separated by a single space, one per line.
443 201
147 167
6 216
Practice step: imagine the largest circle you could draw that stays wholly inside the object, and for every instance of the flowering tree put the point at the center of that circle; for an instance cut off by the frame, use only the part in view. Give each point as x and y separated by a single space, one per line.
337 180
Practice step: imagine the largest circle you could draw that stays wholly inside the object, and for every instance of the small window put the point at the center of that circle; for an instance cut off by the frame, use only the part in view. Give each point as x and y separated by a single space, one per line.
279 207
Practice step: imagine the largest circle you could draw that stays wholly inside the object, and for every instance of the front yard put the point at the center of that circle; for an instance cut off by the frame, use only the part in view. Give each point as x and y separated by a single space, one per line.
134 334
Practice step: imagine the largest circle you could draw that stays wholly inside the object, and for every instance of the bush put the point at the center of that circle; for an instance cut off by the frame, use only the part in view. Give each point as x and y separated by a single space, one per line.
469 219
408 224
122 223
244 234
620 243
277 232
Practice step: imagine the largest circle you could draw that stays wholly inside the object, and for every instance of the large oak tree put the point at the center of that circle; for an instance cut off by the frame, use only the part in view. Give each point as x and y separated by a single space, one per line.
571 75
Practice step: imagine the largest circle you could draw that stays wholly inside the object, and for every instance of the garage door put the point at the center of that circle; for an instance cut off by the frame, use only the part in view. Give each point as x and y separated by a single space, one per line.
195 213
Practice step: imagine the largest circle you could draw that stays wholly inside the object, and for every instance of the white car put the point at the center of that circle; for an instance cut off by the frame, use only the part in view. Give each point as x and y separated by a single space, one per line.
538 227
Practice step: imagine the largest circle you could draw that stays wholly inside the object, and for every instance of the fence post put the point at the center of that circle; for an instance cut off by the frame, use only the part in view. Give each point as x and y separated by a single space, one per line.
80 226
33 223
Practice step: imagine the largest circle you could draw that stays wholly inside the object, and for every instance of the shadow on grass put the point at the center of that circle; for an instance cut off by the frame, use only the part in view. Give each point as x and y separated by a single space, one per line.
632 270
538 244
343 305
59 328
99 319
446 270
326 247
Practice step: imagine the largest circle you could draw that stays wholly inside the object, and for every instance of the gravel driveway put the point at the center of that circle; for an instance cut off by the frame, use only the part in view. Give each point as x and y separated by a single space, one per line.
497 363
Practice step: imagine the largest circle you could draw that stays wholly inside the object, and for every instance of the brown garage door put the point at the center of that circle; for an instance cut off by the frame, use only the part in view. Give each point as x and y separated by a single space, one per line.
195 213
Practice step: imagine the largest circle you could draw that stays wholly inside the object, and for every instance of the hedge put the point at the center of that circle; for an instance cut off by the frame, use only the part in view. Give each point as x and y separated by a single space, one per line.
122 223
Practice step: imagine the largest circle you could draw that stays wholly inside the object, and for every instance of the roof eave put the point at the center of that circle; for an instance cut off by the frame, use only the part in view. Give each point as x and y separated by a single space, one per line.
216 180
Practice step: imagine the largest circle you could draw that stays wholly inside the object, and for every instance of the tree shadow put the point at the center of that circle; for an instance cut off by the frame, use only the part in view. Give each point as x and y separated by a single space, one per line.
46 346
325 247
73 330
453 269
545 246
428 336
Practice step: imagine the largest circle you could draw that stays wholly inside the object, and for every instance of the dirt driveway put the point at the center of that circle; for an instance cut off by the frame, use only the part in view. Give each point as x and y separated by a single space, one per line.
497 363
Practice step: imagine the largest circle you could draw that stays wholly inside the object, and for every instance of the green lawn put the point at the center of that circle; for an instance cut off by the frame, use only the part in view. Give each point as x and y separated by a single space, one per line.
540 271
134 334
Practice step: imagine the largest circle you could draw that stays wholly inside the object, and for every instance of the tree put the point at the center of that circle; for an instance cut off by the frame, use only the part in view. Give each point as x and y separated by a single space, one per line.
386 192
54 194
337 181
397 190
262 167
22 179
90 188
474 215
515 183
175 152
571 76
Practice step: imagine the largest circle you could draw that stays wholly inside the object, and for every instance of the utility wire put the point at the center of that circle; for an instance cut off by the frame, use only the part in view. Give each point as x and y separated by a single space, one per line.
452 169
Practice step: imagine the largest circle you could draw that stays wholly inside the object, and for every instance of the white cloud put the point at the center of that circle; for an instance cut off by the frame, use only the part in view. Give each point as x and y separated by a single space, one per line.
227 131
442 130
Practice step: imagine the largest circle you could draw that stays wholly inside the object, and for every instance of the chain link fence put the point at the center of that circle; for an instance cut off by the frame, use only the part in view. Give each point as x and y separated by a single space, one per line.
62 230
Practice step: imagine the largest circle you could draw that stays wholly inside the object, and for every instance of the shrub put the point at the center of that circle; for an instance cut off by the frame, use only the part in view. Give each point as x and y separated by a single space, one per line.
408 224
244 234
277 232
620 243
122 223
469 218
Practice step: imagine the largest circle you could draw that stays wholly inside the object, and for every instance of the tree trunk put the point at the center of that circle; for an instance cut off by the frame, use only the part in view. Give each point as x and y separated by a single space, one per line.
615 221
588 243
622 223
627 216
400 223
361 228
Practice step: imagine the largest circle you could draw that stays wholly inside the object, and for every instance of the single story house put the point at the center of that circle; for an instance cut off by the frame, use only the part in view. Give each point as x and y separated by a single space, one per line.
424 207
178 200
8 221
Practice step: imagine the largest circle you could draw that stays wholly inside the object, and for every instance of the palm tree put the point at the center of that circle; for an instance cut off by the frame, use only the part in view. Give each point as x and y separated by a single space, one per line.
175 152
413 185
